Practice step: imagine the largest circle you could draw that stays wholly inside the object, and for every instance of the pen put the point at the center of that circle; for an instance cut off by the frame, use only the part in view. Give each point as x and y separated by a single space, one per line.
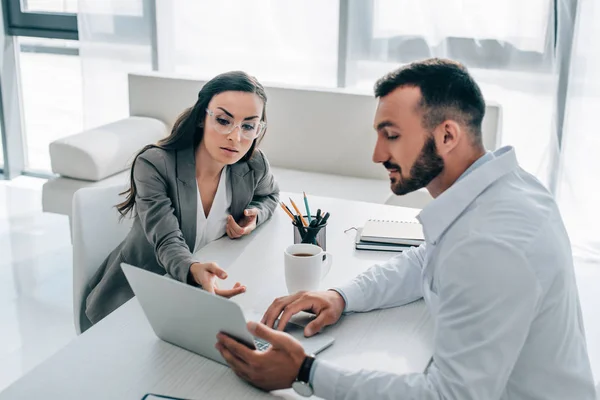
307 208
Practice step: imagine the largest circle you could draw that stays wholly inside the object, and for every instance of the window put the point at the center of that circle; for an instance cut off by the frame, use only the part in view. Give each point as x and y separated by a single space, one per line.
51 89
40 55
507 46
41 18
1 153
508 35
283 42
50 6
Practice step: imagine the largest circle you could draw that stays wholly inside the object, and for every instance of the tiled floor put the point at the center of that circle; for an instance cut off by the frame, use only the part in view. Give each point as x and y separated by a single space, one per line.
36 316
36 294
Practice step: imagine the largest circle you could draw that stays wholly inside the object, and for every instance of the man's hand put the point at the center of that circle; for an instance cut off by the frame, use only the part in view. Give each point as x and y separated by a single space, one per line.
247 224
327 306
276 368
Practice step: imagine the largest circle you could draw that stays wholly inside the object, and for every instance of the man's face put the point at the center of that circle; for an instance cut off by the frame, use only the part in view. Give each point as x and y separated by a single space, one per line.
404 147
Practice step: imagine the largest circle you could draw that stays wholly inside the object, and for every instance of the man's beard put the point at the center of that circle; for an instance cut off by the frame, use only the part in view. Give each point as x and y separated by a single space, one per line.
427 167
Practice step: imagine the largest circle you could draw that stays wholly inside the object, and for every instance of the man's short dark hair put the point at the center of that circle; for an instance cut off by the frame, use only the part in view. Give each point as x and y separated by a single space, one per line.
448 92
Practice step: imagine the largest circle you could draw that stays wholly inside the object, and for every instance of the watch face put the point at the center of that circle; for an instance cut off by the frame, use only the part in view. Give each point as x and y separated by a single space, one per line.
303 389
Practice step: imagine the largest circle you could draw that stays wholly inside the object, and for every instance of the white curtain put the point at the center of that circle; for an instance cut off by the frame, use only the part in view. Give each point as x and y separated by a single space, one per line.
578 190
115 38
507 46
521 23
289 42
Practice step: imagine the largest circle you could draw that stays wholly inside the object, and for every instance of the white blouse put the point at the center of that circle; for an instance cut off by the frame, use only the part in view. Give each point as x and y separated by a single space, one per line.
212 227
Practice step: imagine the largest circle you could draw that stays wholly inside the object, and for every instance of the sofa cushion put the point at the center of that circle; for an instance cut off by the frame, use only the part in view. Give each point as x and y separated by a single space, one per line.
57 193
98 153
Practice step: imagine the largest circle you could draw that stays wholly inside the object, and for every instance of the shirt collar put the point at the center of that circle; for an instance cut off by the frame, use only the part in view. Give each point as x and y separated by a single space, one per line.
440 213
488 156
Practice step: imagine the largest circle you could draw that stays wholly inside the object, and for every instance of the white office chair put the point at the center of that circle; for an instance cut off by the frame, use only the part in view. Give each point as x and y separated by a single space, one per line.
491 128
96 232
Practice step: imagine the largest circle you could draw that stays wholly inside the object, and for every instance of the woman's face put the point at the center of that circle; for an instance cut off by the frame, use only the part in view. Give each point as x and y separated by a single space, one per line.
231 125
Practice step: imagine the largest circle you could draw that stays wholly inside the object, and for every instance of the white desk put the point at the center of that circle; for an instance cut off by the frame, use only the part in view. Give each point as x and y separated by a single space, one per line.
121 358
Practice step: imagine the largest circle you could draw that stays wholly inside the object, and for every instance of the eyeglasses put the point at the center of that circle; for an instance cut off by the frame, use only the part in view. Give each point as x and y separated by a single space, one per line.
224 124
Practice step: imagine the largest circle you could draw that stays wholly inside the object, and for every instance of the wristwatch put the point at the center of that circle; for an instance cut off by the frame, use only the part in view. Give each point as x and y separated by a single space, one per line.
302 384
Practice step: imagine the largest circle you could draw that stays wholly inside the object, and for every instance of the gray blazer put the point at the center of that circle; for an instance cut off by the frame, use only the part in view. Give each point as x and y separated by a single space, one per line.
164 226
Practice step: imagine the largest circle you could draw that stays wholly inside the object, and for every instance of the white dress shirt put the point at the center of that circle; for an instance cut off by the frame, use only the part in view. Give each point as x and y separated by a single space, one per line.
213 227
496 273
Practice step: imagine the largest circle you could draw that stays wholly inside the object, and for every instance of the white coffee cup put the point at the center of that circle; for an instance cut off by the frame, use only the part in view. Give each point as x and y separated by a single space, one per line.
305 267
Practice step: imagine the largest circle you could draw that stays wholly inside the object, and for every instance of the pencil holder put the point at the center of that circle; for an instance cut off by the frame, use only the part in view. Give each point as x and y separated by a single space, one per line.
316 236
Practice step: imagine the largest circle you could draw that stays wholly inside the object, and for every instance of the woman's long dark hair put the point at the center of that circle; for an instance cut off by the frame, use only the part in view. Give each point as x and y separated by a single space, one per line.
188 129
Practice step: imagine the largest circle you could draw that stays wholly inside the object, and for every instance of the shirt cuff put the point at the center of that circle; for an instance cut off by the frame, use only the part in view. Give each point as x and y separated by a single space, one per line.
323 379
341 293
353 296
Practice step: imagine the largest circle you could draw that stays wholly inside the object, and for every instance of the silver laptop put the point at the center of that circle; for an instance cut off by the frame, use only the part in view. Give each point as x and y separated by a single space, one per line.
189 317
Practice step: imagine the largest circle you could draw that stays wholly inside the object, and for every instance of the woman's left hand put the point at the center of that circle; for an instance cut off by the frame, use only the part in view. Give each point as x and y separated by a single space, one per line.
246 225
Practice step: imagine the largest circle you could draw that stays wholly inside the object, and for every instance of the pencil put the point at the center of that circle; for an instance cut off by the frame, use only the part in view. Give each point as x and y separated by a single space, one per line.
298 211
284 208
307 208
287 208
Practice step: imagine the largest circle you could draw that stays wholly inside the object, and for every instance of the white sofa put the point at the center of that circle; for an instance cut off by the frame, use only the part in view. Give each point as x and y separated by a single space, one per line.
318 141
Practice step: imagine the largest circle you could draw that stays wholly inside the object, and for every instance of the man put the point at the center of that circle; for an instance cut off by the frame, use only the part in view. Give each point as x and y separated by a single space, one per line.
495 270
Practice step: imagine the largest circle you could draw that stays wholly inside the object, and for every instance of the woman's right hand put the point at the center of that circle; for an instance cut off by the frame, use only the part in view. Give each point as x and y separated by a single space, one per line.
206 274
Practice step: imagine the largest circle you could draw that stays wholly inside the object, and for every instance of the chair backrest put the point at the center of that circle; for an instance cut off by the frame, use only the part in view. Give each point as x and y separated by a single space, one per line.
96 232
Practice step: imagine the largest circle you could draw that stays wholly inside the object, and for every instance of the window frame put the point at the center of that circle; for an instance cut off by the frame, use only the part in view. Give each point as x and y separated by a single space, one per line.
39 24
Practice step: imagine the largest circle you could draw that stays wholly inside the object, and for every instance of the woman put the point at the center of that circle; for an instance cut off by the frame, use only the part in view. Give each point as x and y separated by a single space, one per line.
205 180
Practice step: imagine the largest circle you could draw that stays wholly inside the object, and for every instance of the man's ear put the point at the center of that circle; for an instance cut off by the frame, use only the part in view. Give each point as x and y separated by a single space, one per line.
448 134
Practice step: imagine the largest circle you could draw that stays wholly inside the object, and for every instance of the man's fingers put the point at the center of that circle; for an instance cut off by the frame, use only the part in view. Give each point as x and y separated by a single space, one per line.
323 319
264 332
276 308
238 349
292 309
239 367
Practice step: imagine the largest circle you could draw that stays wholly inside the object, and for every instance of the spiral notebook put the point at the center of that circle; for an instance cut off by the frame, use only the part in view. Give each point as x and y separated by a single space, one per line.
407 233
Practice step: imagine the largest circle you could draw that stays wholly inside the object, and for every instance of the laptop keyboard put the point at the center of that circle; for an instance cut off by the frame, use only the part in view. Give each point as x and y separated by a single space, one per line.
261 345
